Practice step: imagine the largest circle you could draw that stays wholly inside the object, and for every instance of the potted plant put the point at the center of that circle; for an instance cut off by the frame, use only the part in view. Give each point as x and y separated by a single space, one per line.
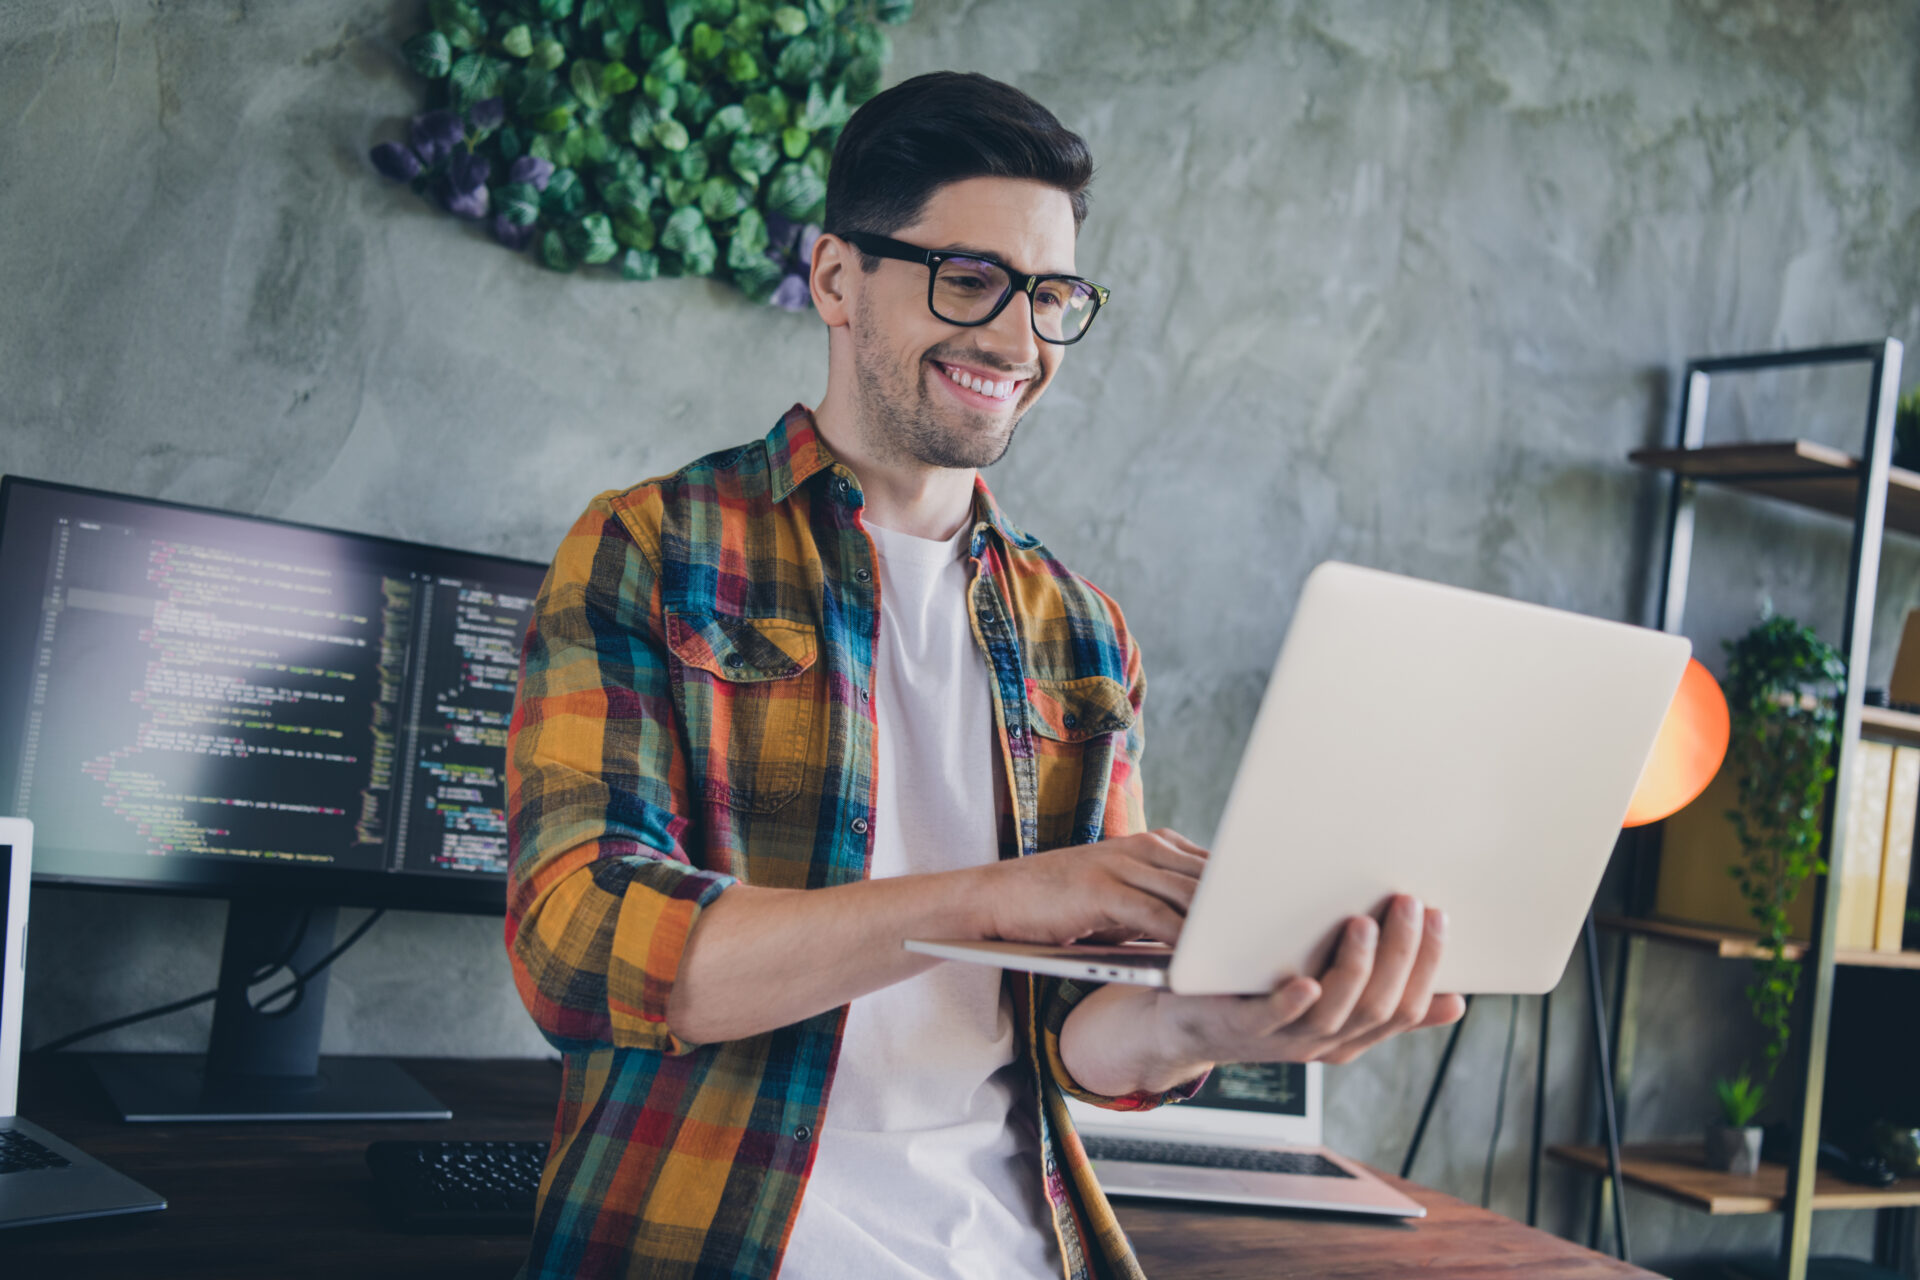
1734 1146
1783 686
1906 431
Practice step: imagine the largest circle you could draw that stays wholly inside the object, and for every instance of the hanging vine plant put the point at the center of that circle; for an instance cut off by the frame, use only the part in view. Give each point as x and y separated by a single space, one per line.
655 137
1783 689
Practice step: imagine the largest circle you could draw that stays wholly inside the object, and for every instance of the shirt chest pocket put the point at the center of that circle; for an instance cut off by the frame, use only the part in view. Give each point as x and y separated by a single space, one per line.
747 691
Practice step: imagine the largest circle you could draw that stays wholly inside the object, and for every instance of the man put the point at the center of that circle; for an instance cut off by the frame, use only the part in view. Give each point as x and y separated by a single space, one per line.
812 696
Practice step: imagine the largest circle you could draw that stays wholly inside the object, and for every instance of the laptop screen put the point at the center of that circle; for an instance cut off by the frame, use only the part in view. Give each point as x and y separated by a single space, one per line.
1272 1088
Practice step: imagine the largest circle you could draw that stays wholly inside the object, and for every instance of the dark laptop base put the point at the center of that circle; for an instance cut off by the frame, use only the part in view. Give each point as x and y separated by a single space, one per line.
69 1186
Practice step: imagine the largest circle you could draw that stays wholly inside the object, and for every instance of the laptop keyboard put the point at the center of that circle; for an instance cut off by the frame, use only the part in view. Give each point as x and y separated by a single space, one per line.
1247 1159
18 1153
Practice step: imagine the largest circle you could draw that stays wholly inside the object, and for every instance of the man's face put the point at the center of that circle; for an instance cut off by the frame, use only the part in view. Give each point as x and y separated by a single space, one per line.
909 365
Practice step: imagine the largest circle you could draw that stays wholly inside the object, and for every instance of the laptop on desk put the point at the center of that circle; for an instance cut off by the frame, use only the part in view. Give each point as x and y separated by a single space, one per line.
42 1179
1250 1136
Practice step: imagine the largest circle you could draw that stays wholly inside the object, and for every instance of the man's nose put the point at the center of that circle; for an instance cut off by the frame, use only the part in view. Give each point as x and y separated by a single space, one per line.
1010 334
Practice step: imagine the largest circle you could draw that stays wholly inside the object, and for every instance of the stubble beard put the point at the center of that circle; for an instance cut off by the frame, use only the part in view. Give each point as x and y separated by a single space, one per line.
900 422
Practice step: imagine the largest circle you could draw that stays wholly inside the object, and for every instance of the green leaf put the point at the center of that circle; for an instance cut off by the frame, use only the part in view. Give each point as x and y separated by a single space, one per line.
553 251
725 122
789 20
614 42
756 276
555 10
743 67
518 203
692 164
893 11
636 264
752 157
797 63
766 112
795 191
625 196
617 78
547 54
429 54
749 235
670 66
721 199
474 76
518 41
671 135
679 191
706 43
584 76
682 224
635 230
558 120
564 196
542 146
794 140
679 14
591 239
572 149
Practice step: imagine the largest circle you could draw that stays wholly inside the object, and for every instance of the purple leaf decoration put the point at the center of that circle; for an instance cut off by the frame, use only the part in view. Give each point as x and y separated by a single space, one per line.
396 162
487 114
466 204
511 234
792 294
780 232
531 169
467 172
435 134
808 234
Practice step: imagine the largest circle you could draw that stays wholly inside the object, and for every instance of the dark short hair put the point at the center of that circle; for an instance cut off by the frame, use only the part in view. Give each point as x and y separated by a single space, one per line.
946 126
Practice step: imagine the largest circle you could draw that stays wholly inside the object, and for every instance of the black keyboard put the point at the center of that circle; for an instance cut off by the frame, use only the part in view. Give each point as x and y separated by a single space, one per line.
19 1153
1249 1159
457 1186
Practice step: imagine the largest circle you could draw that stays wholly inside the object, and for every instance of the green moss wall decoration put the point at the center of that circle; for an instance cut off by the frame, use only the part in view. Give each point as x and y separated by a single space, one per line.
652 137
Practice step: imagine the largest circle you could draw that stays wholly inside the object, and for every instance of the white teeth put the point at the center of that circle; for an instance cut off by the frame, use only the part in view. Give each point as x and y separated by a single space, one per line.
997 390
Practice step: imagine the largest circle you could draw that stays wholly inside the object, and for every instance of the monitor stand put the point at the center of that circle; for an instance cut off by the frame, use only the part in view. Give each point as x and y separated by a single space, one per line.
265 1066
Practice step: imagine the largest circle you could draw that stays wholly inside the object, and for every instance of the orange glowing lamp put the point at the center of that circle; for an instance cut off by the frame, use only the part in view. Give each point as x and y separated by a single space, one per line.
1688 752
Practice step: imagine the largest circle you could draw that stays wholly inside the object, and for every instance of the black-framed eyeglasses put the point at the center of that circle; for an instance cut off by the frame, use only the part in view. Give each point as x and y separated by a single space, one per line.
967 289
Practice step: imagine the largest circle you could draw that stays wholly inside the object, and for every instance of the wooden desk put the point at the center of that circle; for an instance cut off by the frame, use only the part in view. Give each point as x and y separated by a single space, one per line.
261 1202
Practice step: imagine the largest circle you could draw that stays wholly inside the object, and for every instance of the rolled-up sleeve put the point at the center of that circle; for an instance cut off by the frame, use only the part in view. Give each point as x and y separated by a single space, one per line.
604 884
1125 815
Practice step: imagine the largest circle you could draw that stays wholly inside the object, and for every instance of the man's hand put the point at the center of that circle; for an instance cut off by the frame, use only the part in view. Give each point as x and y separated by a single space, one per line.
1380 983
1137 886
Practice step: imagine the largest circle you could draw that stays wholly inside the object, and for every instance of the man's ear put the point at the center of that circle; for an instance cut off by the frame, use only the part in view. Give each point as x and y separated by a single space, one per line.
835 263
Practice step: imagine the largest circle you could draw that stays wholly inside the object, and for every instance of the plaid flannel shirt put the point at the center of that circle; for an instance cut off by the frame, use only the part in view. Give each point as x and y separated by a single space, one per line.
692 712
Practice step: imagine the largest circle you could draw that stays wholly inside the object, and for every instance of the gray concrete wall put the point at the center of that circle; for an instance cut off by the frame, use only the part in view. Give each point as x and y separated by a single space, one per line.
1398 283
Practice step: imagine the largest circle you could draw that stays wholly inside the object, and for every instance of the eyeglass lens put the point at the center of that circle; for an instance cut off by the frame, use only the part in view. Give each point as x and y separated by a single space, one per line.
966 290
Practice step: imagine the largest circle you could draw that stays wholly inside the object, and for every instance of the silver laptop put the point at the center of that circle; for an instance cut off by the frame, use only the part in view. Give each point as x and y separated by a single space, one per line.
42 1179
1476 752
1250 1136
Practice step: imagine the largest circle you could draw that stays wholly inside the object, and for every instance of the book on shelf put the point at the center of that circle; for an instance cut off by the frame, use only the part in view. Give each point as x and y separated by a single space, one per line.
1896 863
1698 844
1858 882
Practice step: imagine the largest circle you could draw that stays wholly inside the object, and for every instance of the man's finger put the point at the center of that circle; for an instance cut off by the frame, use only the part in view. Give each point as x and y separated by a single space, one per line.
1345 978
1417 997
1170 887
1179 841
1402 939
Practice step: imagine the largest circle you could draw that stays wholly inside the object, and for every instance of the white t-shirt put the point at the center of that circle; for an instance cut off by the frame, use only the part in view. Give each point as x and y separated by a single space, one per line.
928 1165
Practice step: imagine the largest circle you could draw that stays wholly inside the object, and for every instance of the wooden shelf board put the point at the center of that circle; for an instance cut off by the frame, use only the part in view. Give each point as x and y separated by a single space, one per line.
1884 724
1679 1172
1802 472
1731 945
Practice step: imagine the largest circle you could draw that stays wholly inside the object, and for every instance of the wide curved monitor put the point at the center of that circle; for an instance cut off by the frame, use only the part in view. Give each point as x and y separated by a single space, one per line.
206 703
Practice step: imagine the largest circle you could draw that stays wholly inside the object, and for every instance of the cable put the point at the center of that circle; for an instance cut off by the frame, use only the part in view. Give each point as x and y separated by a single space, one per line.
260 973
1499 1103
300 980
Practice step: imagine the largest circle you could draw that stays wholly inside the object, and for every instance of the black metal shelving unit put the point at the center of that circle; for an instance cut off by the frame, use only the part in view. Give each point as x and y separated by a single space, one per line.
1857 489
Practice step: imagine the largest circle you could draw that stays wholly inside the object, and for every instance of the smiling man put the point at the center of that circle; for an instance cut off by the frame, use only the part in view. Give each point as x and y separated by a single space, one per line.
812 696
